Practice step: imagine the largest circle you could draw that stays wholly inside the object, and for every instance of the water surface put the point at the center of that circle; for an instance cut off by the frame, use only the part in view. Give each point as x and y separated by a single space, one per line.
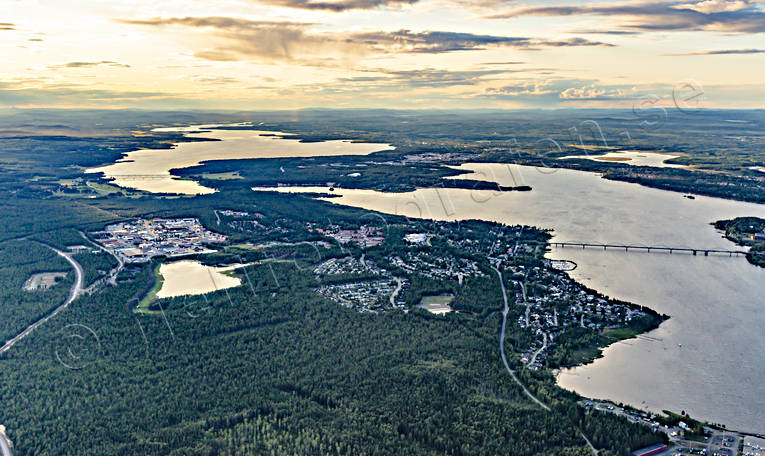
716 303
633 158
189 277
149 169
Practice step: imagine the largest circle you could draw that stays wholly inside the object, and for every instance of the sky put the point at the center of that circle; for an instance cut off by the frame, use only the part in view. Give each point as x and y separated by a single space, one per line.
421 54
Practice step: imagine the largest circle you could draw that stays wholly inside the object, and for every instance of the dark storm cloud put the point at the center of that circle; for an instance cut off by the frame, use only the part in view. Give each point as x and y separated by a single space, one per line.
714 15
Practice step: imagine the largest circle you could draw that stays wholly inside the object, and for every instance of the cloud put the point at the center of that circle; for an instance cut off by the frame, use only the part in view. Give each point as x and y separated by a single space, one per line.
241 39
559 91
593 92
711 15
503 63
89 64
337 6
717 6
440 42
722 52
606 32
534 88
426 77
38 92
246 38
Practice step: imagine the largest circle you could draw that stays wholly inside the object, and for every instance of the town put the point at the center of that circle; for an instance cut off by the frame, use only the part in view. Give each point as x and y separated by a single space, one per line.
349 272
141 240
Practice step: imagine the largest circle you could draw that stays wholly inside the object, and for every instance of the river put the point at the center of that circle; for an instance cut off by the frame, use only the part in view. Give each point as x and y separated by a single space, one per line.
708 359
149 169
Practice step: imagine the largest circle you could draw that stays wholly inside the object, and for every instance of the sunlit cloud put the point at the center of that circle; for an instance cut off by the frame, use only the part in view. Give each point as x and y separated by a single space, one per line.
711 15
245 39
91 64
722 52
337 6
377 53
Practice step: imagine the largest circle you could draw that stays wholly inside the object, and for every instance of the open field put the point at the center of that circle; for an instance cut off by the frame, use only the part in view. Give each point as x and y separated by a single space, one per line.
43 281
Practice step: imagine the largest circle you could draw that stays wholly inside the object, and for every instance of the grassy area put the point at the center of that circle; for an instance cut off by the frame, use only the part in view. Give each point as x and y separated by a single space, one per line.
442 300
620 333
104 189
583 355
222 176
151 295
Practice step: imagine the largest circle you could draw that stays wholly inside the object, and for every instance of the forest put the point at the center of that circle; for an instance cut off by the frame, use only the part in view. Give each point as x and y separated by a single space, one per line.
272 367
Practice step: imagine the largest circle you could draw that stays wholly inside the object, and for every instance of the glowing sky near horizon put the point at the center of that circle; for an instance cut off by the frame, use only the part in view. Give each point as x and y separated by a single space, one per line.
277 54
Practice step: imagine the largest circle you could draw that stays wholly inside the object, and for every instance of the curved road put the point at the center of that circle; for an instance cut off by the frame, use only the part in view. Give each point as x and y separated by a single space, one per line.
541 349
394 295
77 289
507 366
120 262
502 345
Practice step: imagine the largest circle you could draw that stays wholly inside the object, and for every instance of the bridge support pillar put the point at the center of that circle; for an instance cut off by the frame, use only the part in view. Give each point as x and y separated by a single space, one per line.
694 253
706 253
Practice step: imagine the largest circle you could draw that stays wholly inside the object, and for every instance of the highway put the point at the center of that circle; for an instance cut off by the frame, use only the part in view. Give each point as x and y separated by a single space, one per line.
77 289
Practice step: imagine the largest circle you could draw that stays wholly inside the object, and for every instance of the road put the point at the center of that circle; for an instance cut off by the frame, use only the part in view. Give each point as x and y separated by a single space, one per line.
120 262
502 344
77 289
394 295
541 349
526 301
505 311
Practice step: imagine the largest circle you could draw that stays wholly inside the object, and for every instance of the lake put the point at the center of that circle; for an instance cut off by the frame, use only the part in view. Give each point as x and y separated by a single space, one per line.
189 277
633 158
149 169
708 358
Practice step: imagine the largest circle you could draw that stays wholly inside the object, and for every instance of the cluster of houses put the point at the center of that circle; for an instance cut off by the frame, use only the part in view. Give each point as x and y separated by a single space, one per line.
363 237
140 240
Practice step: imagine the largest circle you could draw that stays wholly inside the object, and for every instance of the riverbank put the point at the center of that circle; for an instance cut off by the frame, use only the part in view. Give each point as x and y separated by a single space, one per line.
683 433
695 291
747 232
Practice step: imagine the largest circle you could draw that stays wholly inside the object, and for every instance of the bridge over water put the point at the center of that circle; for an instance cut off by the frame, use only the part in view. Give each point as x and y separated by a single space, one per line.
652 248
